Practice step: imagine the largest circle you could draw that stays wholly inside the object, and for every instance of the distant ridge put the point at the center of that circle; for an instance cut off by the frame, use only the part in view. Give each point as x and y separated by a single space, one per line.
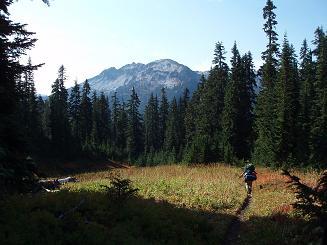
146 79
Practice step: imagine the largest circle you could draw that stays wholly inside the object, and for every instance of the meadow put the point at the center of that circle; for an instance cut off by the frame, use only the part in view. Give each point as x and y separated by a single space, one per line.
174 204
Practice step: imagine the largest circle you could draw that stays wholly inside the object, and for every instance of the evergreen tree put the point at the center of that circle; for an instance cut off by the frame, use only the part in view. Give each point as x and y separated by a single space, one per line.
306 97
211 102
287 105
100 120
319 112
28 115
151 129
122 129
190 115
231 108
237 117
172 138
163 115
45 118
15 170
115 116
246 108
265 110
134 128
104 120
59 124
95 120
182 107
86 113
75 110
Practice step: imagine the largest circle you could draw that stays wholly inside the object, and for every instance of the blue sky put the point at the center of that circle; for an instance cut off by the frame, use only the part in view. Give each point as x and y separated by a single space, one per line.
90 36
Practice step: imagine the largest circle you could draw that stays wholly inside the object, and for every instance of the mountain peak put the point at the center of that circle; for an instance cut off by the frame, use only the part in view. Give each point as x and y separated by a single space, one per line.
166 65
146 79
132 66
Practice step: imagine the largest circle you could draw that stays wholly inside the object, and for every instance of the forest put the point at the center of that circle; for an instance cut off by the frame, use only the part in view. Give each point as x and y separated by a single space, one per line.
177 162
275 116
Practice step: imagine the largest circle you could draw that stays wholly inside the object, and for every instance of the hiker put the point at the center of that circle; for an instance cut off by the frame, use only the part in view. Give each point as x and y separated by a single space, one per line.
249 175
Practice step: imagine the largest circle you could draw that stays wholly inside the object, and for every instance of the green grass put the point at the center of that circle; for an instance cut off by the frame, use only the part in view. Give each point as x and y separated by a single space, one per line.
175 205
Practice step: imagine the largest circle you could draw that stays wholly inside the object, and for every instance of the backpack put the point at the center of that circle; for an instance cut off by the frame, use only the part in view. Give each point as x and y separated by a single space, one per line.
250 174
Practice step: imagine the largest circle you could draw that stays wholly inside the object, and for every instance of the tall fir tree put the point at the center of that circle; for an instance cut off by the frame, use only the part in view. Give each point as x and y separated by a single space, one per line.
231 108
59 124
237 120
94 139
208 114
319 112
104 120
28 116
172 137
122 129
75 110
247 103
15 171
134 128
86 113
101 120
287 91
306 97
264 151
163 117
151 129
114 117
182 108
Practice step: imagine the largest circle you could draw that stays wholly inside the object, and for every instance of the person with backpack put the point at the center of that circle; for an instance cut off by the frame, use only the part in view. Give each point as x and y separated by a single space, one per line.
249 175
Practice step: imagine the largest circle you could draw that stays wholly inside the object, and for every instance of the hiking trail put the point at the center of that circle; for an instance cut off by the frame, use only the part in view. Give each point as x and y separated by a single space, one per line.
233 230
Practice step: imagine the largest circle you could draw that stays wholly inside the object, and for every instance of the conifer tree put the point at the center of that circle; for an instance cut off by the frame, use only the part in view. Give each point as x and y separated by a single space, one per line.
151 129
15 170
246 108
122 130
182 107
75 110
172 137
319 112
287 105
134 128
163 116
306 97
231 108
190 115
45 118
59 124
86 113
28 115
265 110
95 120
115 116
104 120
100 120
208 112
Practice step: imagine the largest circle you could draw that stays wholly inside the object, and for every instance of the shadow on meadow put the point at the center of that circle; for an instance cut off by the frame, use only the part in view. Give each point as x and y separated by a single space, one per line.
87 217
90 218
278 229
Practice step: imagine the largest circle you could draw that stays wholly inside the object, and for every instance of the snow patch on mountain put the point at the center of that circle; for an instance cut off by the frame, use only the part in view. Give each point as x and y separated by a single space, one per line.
146 79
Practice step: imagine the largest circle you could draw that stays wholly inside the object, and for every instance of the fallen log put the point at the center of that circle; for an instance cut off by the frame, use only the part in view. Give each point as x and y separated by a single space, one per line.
53 185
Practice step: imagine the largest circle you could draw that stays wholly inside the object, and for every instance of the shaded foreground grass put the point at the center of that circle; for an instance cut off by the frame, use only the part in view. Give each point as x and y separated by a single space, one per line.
175 205
37 220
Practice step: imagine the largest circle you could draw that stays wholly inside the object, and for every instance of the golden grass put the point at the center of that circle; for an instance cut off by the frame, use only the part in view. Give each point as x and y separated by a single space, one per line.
217 188
214 187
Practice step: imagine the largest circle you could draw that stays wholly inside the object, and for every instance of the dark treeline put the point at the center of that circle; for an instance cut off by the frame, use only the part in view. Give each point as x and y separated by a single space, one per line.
285 123
224 120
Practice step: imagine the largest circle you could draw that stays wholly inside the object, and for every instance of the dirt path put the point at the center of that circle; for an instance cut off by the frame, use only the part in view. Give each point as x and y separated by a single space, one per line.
234 228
